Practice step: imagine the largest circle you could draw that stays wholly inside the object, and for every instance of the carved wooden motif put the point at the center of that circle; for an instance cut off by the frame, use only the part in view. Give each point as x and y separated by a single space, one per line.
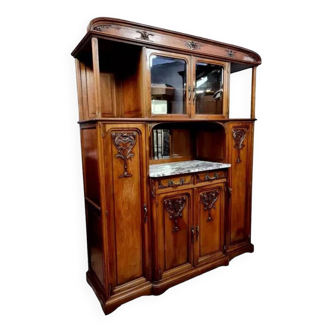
144 35
193 45
174 208
103 27
208 199
239 136
124 142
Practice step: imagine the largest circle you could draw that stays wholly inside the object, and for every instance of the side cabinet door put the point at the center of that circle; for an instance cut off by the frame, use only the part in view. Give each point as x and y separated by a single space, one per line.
240 178
125 189
175 233
209 223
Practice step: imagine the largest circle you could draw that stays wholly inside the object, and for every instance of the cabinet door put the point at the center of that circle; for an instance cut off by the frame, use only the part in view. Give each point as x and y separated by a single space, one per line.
240 178
210 88
167 77
209 223
125 189
175 233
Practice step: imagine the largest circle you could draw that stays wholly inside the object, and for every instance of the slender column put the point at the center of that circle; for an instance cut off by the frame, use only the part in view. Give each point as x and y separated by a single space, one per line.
253 92
96 74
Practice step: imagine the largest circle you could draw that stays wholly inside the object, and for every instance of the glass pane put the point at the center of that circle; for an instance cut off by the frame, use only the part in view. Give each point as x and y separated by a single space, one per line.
168 85
209 88
240 94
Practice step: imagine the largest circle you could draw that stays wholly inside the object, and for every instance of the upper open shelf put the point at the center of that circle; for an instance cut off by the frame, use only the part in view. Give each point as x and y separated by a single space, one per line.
127 70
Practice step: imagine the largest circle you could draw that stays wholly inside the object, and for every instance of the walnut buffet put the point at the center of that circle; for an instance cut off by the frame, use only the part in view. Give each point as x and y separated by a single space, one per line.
167 172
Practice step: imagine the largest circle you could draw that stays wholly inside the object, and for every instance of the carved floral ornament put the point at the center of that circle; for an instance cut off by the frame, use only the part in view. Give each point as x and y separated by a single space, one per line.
239 136
208 200
144 35
193 45
106 26
174 208
124 143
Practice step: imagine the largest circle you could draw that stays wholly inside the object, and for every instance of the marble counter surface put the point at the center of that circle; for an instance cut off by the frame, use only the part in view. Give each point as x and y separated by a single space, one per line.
184 167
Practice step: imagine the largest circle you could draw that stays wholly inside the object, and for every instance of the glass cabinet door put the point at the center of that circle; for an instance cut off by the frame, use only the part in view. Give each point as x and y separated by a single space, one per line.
168 84
209 87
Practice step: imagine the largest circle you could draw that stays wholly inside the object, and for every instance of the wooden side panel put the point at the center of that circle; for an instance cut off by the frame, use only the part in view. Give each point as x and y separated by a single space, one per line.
125 186
92 202
174 227
90 87
209 222
240 138
87 90
132 76
95 241
210 145
90 159
108 94
79 90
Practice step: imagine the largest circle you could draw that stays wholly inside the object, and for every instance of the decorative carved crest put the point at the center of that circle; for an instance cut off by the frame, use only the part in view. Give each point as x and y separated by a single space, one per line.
174 208
239 136
193 45
144 35
208 199
124 142
231 53
103 27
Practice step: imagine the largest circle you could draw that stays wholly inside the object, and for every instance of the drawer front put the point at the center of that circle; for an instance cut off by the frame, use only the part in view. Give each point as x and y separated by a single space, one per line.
173 182
212 176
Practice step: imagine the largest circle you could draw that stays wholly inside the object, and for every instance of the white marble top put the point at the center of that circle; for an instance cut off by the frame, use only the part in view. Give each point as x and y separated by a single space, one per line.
184 167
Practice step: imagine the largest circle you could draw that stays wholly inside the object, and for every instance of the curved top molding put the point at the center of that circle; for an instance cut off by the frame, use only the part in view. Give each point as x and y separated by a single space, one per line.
156 37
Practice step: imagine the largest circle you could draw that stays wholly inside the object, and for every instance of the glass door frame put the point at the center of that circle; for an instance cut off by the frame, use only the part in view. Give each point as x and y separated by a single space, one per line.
225 102
186 58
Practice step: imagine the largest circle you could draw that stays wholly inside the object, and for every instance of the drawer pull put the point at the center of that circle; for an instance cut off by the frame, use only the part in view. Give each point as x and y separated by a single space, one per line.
214 177
171 183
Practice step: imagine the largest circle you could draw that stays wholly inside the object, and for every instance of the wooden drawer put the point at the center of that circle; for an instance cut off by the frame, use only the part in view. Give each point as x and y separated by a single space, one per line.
161 184
208 177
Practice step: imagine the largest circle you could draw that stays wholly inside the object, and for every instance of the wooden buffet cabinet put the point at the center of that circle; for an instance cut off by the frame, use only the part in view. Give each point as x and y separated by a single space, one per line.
167 172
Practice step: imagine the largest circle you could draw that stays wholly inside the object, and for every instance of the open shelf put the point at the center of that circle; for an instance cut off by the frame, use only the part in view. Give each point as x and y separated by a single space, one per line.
175 142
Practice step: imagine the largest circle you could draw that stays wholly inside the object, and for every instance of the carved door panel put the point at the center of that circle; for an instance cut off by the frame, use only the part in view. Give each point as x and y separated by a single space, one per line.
240 177
126 212
175 233
209 223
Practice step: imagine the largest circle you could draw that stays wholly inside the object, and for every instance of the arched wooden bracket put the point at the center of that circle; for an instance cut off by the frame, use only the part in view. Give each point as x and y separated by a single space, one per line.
124 143
239 136
174 208
208 199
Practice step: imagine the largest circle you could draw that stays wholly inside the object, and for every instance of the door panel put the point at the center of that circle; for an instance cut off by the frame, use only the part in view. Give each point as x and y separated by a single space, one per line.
240 179
174 232
125 175
209 223
210 83
168 76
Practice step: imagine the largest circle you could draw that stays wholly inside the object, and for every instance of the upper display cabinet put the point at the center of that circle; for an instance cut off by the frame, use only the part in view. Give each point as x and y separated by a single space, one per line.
129 70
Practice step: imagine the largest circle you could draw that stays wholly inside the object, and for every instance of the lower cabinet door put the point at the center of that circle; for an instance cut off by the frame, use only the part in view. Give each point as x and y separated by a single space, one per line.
175 233
209 223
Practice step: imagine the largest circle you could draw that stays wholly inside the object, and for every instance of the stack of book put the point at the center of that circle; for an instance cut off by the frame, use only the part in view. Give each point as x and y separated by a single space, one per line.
161 143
